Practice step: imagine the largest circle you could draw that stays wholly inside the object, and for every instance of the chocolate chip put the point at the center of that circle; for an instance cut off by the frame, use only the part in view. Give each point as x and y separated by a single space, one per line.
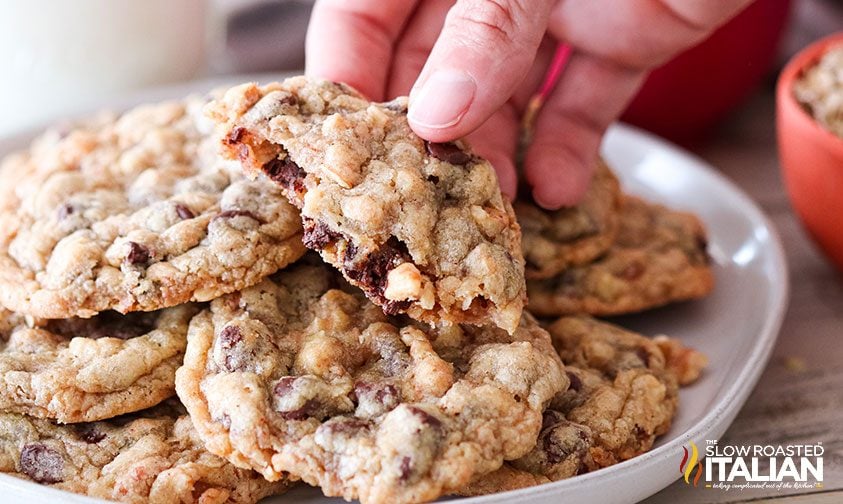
344 425
230 363
235 135
317 235
284 386
310 407
425 417
399 106
406 469
385 396
230 214
199 488
349 256
447 152
563 440
633 271
582 468
371 272
289 100
65 211
551 418
286 173
41 463
107 324
554 450
359 389
433 178
138 254
184 212
392 307
230 336
90 434
644 355
576 383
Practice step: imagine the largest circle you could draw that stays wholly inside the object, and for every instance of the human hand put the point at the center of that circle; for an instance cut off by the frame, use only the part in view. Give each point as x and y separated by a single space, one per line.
470 68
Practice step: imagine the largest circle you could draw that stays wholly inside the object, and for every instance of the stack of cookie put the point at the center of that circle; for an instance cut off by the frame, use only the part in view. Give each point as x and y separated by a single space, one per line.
613 254
110 228
163 253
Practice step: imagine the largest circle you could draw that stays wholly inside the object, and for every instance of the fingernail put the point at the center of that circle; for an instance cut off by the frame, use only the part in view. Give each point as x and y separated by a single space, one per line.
443 99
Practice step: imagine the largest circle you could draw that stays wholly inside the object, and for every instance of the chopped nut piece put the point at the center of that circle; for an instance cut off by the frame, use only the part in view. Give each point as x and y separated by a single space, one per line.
341 166
404 282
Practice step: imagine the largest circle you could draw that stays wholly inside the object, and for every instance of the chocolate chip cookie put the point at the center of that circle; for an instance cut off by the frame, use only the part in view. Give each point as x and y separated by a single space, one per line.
136 212
151 457
659 257
623 394
294 375
623 386
81 370
421 227
553 241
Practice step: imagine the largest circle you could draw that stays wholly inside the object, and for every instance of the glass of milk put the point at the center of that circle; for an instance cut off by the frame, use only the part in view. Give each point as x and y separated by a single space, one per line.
59 58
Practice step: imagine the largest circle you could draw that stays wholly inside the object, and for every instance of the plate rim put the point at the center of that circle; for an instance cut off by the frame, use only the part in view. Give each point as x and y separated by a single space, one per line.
719 417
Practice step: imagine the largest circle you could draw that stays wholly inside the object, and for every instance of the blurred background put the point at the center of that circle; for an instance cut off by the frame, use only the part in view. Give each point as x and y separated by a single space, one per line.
56 67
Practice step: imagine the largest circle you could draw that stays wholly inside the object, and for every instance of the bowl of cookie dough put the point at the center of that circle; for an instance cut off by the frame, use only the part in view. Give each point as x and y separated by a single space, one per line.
809 102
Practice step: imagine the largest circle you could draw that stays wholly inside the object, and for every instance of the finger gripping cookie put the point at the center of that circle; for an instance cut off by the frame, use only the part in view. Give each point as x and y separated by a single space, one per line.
421 227
81 370
295 376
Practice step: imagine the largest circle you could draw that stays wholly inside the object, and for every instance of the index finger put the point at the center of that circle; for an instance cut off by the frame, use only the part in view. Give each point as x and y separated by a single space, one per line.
352 42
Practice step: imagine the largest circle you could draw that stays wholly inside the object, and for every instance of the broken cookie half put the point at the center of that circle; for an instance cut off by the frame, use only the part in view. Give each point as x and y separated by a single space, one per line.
421 227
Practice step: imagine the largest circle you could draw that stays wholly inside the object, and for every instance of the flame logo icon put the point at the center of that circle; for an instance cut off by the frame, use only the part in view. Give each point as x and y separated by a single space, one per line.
691 464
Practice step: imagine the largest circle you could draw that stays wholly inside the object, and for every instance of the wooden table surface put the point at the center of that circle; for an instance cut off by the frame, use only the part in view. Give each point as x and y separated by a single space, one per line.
799 398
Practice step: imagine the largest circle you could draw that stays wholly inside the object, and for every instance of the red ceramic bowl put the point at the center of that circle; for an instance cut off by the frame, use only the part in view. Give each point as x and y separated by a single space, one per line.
683 99
811 157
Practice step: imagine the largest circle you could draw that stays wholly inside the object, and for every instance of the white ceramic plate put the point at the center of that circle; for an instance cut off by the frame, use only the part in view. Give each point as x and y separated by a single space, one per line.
736 326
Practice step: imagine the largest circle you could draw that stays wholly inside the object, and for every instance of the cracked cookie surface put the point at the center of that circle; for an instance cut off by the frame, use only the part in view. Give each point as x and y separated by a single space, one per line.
658 257
135 213
150 457
421 227
623 394
81 370
553 241
293 375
